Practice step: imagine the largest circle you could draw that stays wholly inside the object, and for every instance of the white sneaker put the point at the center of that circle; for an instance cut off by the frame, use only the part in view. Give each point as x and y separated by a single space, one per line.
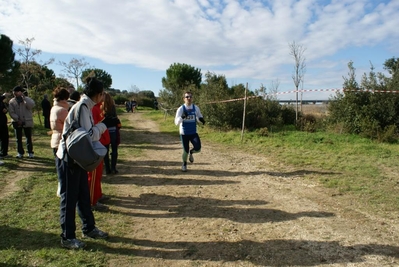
184 168
59 190
1 163
19 156
31 155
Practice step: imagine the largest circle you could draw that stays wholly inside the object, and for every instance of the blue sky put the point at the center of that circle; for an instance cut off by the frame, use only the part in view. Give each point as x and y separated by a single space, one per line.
247 41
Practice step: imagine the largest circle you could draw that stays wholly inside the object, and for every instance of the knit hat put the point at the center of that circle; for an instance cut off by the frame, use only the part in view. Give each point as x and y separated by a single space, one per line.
18 89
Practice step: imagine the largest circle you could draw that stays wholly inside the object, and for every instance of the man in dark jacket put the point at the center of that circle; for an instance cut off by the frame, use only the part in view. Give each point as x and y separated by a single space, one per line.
46 107
4 137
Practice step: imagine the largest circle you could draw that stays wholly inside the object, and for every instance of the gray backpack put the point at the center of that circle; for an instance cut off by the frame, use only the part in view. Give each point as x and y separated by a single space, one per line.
86 153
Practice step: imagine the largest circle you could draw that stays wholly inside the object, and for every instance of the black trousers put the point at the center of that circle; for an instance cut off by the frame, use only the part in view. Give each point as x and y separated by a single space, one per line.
4 139
28 136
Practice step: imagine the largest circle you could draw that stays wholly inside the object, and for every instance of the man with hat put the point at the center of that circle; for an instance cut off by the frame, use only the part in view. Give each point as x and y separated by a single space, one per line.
20 110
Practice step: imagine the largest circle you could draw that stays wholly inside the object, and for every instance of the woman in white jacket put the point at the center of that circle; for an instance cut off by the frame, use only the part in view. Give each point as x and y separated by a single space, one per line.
74 184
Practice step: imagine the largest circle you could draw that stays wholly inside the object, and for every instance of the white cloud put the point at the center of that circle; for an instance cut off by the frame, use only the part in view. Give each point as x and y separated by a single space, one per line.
242 39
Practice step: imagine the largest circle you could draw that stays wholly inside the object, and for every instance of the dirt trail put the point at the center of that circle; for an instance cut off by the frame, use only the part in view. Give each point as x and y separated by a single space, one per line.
235 209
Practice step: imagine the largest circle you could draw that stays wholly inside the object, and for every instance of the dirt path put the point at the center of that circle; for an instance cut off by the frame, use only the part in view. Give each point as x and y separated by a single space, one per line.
235 209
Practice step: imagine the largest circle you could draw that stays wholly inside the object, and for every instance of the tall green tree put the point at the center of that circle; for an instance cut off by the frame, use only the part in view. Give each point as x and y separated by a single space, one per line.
11 77
7 54
179 78
100 74
392 66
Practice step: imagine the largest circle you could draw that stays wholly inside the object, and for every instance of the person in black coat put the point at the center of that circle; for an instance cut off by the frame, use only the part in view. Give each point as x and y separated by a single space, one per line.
46 108
4 137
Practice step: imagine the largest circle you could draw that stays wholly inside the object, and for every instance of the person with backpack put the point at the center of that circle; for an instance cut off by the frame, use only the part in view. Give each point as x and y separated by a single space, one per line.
186 118
75 192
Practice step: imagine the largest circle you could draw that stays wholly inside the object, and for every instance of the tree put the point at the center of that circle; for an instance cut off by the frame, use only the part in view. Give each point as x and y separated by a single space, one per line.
12 77
179 78
297 51
74 69
392 66
100 74
7 54
29 66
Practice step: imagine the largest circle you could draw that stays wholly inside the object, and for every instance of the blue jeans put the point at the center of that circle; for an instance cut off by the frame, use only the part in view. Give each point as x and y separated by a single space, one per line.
28 136
114 154
75 194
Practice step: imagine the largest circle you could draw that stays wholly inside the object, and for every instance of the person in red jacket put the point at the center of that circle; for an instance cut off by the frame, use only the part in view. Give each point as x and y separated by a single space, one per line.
94 177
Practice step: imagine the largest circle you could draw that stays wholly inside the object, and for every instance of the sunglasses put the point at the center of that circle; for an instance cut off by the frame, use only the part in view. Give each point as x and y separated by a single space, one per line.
188 96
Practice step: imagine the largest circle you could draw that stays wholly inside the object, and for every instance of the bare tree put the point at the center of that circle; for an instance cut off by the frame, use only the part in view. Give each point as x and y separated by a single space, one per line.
29 66
297 52
273 89
74 68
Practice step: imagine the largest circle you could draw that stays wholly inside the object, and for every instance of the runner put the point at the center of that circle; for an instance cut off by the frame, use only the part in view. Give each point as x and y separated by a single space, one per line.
186 118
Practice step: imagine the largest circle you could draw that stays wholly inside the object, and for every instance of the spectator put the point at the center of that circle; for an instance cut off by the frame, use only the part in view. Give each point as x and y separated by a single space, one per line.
20 109
73 98
46 107
75 192
133 105
94 177
4 137
110 112
58 113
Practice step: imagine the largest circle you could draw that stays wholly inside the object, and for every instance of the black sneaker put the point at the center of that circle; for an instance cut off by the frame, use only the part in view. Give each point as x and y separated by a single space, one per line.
104 198
191 158
72 243
96 233
99 207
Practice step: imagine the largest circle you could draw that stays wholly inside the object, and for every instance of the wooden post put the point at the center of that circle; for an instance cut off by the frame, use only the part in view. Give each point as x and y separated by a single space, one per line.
243 114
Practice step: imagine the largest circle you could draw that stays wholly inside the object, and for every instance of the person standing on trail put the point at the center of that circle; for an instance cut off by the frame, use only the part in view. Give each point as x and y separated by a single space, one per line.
95 176
186 118
58 114
20 110
4 136
110 112
75 194
46 108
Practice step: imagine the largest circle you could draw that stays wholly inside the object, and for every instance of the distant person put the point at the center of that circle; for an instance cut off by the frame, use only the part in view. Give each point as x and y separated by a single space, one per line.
133 105
46 107
186 118
73 98
155 104
20 109
4 136
58 114
110 112
75 192
128 106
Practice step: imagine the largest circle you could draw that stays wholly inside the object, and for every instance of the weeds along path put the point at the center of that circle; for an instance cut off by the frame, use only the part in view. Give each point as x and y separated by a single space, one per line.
235 209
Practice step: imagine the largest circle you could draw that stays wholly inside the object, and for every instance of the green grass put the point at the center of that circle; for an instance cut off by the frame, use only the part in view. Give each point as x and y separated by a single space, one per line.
29 218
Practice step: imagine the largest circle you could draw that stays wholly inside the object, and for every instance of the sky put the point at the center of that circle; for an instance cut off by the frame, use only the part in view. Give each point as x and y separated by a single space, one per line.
136 41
